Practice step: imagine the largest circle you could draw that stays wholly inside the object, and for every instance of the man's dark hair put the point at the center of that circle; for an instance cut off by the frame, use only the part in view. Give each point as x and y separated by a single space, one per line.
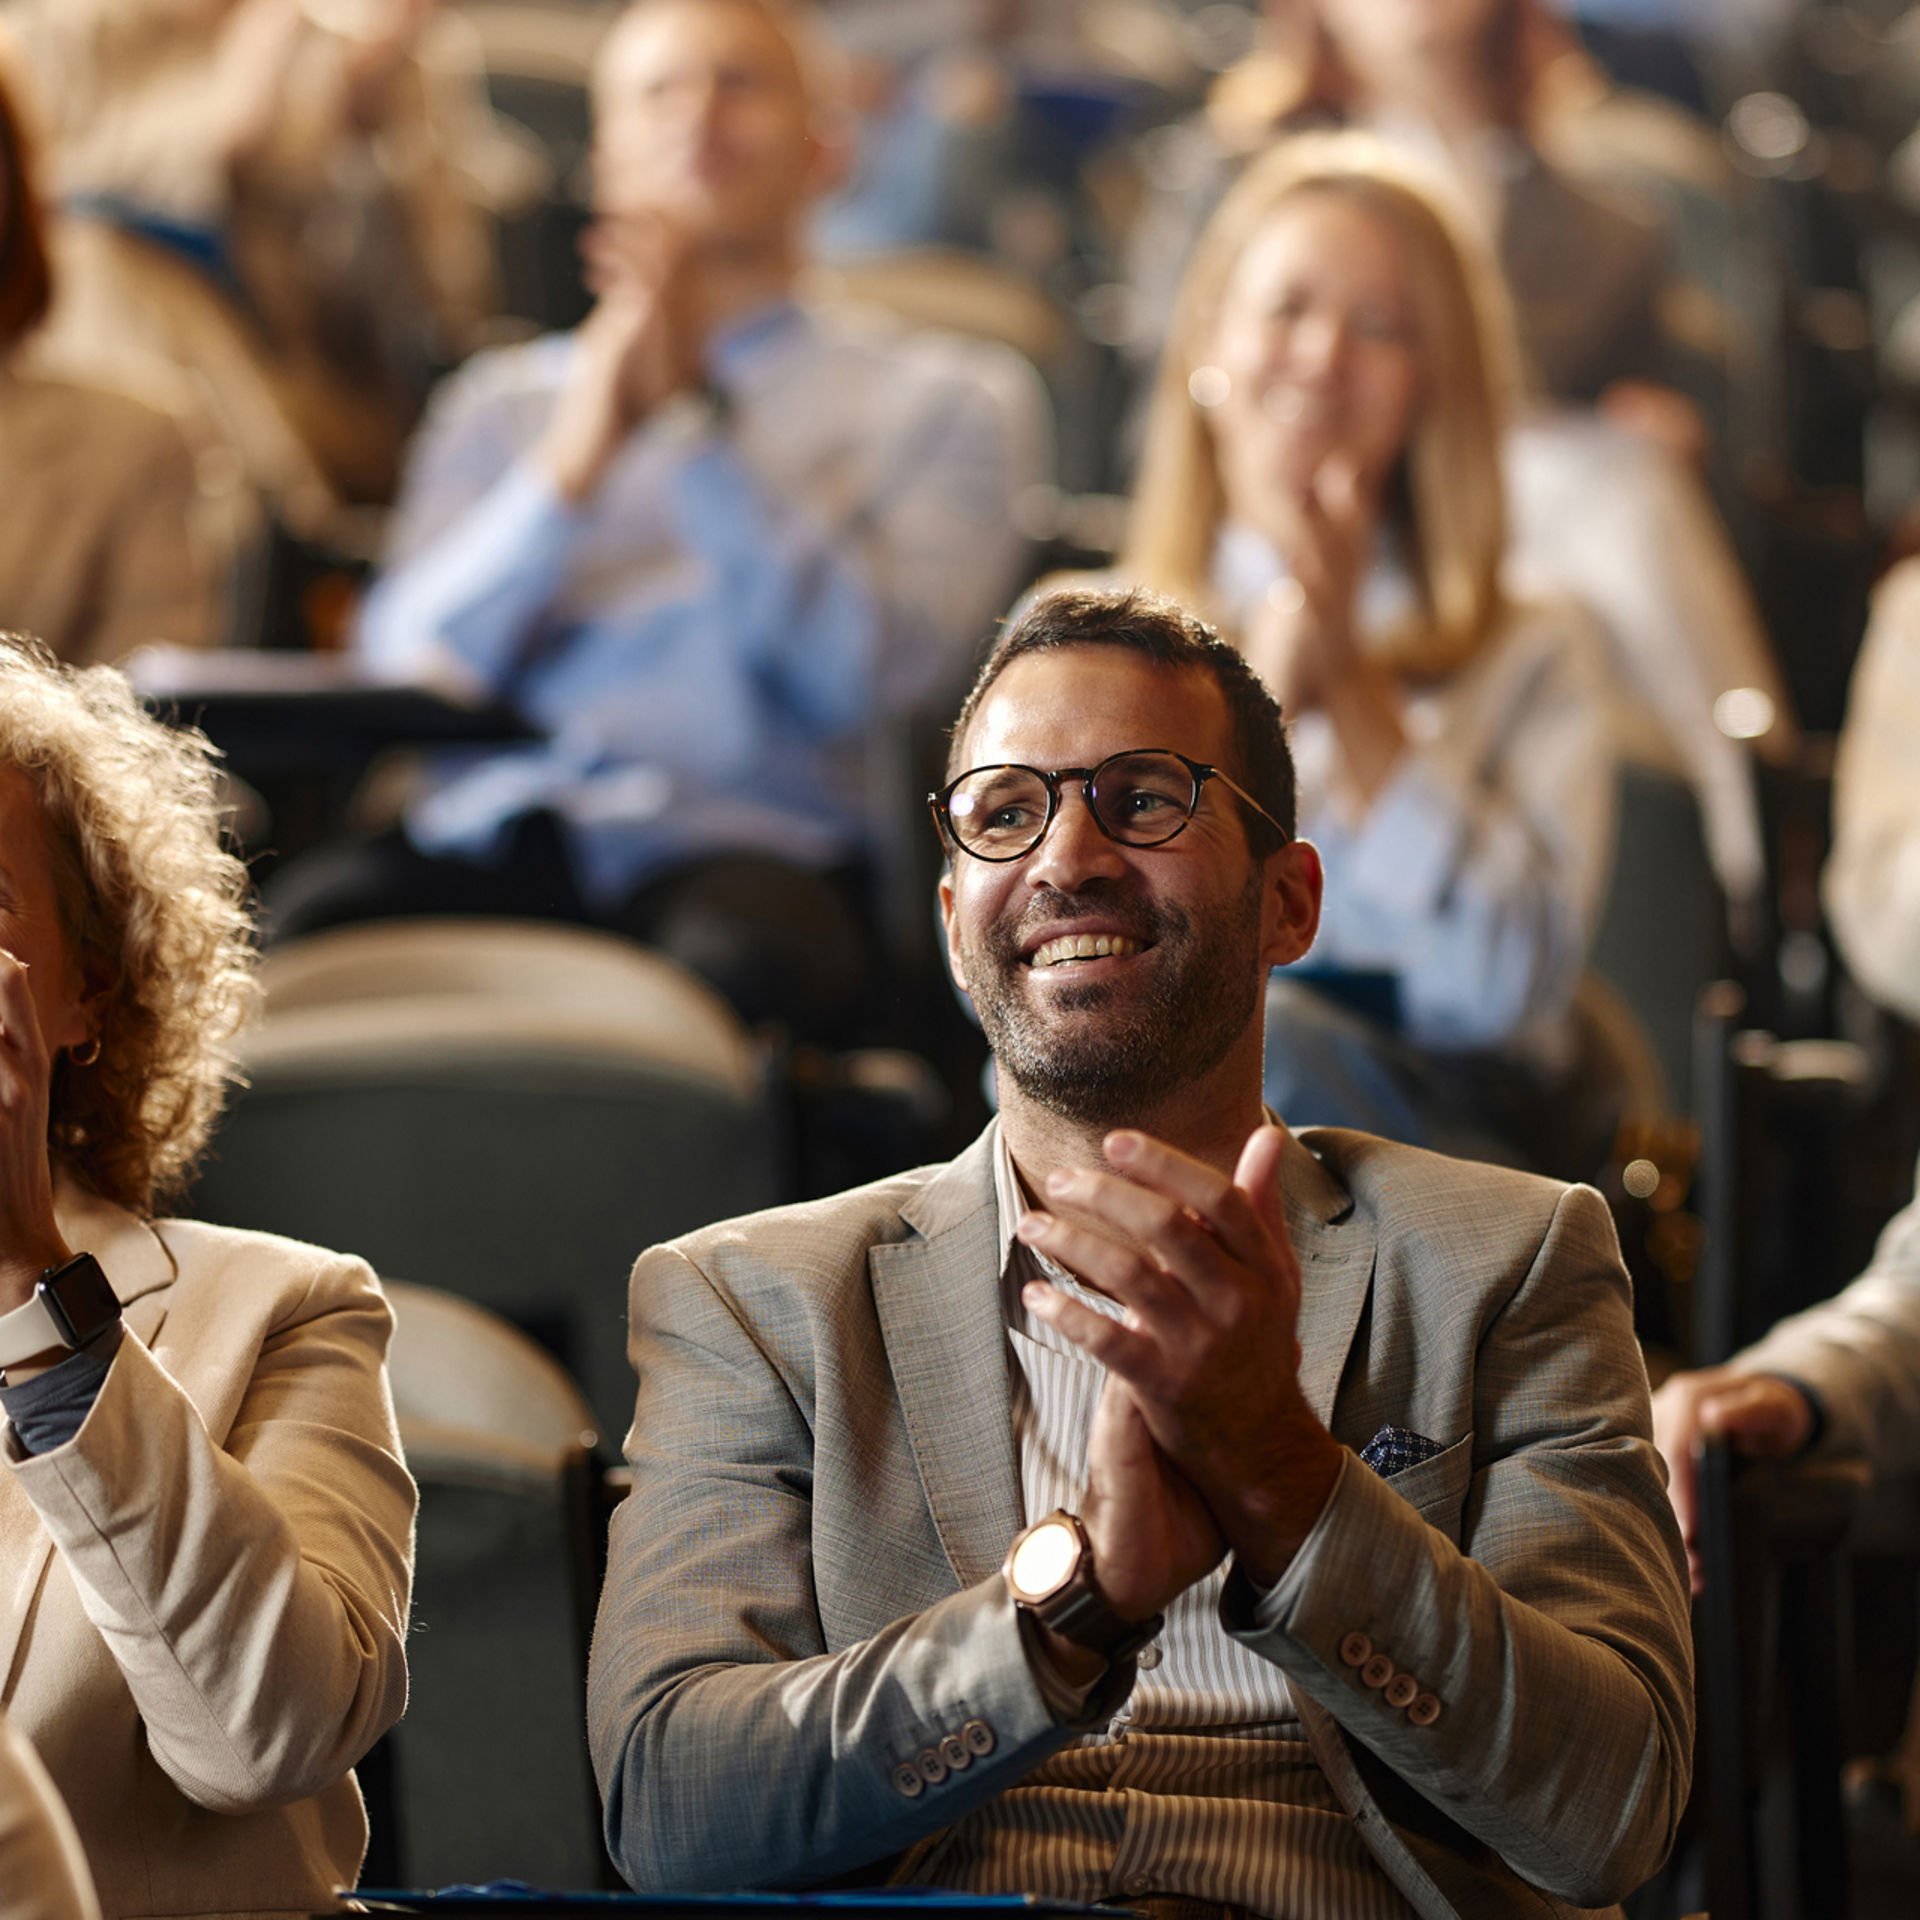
1163 631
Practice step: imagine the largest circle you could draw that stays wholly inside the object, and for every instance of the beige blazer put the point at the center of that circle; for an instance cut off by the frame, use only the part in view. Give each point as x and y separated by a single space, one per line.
107 541
203 1594
43 1874
803 1596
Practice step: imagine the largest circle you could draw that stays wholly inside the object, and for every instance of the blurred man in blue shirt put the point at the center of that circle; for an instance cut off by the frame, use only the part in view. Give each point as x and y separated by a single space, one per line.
711 544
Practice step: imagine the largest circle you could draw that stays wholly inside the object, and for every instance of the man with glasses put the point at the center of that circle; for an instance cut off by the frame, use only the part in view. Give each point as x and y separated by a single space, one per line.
1148 1505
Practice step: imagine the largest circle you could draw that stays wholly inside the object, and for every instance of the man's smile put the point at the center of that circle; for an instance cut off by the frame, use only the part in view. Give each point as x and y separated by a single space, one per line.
1068 948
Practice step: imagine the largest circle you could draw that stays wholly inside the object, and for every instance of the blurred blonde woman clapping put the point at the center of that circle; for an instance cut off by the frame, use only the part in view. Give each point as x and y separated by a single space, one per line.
1321 473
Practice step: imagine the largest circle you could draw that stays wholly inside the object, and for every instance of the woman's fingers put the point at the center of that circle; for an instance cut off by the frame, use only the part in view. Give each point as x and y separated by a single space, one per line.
20 1039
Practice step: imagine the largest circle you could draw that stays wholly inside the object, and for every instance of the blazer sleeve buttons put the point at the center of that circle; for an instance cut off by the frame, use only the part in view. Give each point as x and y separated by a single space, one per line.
1402 1691
952 1753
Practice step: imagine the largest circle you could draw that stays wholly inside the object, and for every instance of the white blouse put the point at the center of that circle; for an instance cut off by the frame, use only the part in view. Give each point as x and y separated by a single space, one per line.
1477 874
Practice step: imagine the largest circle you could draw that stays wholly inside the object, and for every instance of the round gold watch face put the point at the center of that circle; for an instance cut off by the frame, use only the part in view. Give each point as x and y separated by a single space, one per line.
1043 1560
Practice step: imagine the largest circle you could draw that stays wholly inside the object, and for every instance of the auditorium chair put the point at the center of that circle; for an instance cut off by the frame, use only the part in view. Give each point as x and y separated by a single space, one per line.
509 1110
487 1776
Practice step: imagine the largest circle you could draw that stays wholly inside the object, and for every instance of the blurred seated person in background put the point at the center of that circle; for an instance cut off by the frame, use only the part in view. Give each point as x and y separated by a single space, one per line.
107 538
1477 89
1322 470
1351 1594
286 202
1611 510
977 120
46 1873
1693 687
931 87
205 1524
710 544
1872 879
1847 1372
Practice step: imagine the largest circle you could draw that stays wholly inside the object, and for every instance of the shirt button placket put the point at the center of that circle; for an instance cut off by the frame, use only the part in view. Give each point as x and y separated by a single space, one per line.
1149 1839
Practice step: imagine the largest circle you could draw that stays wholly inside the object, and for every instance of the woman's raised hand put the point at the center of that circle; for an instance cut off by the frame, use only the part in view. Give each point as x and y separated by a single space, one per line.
30 1239
1305 640
1302 635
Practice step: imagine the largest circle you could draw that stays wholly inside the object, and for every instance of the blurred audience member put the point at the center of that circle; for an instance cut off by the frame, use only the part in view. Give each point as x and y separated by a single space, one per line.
1555 170
45 1873
977 121
932 96
1483 90
1845 1374
708 544
1872 880
280 198
107 540
1322 470
1695 691
1849 1370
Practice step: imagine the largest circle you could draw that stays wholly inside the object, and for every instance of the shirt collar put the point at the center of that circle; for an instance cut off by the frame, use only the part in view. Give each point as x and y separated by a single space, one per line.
752 338
1009 1198
1019 1262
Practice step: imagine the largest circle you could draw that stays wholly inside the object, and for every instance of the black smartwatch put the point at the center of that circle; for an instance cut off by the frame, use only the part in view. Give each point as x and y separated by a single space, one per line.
72 1306
1049 1572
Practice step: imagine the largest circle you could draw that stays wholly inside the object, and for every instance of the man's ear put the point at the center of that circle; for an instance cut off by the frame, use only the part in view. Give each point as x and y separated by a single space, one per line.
948 927
1292 902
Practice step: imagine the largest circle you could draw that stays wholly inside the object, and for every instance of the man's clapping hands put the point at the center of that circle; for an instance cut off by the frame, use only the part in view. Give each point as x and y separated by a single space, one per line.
1204 1443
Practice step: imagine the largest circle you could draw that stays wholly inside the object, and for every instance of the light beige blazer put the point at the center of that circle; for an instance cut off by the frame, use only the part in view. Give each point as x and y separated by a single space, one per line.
203 1594
43 1874
803 1593
106 540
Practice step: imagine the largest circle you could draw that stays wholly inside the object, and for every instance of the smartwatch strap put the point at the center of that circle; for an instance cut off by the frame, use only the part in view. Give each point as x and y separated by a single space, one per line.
28 1330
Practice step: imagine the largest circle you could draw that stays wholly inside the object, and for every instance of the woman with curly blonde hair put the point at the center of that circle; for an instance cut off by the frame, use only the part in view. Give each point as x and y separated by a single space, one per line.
205 1524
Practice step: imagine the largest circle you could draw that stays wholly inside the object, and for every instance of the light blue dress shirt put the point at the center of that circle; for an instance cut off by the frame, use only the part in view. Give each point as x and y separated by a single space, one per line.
1476 876
711 643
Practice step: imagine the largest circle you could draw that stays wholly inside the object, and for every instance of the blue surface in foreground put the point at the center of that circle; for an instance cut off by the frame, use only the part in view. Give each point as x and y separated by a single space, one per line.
507 1893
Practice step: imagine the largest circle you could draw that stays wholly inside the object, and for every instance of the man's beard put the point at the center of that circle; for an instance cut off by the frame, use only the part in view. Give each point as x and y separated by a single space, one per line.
1128 1051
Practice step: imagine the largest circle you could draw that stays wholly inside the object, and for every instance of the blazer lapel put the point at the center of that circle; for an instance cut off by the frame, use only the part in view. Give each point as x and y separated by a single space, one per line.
25 1549
942 1322
1335 1245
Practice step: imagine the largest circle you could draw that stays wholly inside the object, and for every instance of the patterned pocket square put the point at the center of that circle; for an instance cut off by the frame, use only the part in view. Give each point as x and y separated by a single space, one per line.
1394 1449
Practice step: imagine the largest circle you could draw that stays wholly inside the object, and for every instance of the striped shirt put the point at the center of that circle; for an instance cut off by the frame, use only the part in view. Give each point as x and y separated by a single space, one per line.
1202 1784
